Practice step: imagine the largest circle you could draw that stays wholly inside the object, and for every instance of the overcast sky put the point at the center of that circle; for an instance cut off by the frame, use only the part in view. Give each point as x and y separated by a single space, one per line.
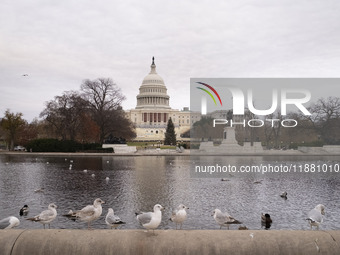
61 43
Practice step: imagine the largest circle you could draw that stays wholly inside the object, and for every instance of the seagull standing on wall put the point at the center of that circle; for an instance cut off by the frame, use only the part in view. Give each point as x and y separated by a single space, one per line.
315 216
47 216
113 220
151 220
88 213
9 222
179 215
224 219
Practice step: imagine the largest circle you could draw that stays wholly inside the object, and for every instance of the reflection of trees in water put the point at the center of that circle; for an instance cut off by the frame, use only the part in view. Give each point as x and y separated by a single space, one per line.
150 182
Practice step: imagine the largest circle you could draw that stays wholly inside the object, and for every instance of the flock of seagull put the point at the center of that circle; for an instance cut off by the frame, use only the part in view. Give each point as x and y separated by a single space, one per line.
149 220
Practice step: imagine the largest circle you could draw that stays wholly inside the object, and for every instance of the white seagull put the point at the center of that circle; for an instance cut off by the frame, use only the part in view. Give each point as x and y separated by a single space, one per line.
179 215
224 219
151 220
315 216
113 220
9 222
47 216
88 213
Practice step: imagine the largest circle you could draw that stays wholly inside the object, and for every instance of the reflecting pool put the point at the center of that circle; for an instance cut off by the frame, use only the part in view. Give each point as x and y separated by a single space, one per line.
138 183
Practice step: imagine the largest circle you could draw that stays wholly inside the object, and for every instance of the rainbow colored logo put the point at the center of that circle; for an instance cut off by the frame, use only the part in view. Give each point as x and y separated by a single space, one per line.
212 89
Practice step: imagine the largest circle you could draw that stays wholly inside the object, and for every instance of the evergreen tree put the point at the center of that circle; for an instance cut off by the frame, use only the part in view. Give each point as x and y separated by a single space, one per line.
170 135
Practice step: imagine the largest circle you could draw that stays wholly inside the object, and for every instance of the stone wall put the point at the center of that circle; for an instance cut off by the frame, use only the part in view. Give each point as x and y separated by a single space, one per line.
67 241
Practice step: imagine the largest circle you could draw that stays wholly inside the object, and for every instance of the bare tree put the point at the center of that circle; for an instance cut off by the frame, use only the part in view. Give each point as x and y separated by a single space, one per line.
325 119
104 99
63 113
272 128
250 132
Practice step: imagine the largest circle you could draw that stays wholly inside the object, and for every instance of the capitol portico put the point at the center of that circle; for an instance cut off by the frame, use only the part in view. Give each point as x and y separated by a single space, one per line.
153 111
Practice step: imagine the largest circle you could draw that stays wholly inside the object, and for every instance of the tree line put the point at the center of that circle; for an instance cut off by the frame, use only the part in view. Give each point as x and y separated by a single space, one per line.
86 116
320 128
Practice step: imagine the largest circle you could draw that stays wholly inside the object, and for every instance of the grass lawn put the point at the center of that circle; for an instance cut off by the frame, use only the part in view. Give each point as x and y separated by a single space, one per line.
149 145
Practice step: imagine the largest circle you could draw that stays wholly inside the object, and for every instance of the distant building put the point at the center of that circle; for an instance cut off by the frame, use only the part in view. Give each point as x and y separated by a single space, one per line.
153 111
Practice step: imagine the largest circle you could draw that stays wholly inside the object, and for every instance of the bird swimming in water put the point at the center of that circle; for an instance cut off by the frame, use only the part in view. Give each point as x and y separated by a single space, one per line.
284 195
24 210
41 190
266 221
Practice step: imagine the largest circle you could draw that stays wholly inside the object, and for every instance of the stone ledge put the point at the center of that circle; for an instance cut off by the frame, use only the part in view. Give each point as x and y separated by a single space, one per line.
69 241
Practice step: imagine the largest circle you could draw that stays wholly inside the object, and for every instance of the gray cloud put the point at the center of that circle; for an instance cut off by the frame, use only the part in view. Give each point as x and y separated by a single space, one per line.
60 43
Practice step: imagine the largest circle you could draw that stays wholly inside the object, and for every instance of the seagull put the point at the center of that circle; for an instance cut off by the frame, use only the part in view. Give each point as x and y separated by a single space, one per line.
71 215
113 220
47 216
151 220
179 215
225 180
41 190
284 195
25 74
224 219
85 170
107 178
88 213
315 216
24 210
9 222
266 220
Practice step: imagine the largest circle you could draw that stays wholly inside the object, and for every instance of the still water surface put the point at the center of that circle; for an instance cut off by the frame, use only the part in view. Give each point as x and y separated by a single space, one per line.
138 183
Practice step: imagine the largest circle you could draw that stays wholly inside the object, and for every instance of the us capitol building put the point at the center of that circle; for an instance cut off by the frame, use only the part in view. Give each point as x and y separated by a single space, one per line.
153 111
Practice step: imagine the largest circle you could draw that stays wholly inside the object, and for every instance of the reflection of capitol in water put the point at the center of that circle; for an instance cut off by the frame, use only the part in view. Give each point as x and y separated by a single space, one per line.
153 110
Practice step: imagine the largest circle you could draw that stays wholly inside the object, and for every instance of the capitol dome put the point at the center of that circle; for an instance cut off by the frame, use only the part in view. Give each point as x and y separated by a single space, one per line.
153 92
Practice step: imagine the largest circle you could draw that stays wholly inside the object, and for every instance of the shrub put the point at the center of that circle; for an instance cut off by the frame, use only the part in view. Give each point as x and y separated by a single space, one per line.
55 145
